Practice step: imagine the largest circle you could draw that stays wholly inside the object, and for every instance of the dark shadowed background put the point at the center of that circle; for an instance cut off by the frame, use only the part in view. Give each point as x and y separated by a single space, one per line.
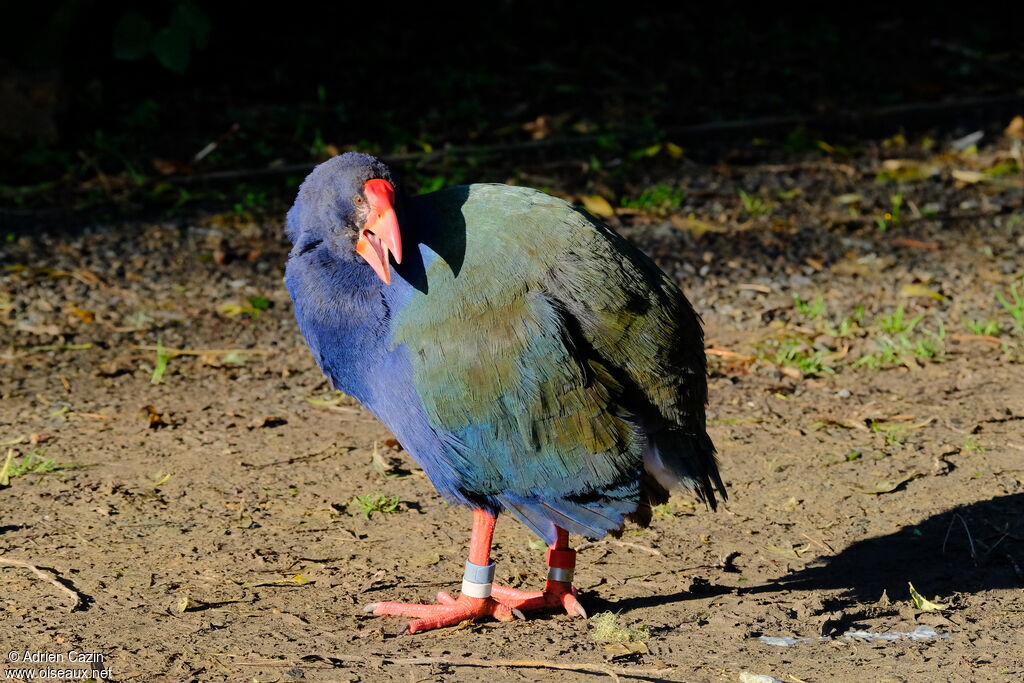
101 100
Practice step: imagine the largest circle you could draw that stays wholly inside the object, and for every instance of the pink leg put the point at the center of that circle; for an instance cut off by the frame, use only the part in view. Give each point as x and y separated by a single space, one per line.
556 593
450 611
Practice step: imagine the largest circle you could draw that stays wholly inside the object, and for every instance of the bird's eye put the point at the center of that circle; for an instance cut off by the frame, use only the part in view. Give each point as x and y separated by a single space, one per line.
357 199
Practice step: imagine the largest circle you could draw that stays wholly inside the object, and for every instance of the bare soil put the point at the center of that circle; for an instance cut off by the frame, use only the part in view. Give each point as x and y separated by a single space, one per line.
208 522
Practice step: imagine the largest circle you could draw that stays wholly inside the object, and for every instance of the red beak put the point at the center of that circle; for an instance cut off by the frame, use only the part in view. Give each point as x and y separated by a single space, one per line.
380 236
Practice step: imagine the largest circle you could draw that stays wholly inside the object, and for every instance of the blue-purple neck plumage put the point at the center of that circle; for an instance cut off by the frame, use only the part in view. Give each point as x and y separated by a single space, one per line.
526 355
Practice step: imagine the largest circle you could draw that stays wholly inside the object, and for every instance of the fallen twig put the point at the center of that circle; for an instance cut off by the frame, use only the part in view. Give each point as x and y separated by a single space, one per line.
820 542
976 337
726 353
916 244
75 595
613 671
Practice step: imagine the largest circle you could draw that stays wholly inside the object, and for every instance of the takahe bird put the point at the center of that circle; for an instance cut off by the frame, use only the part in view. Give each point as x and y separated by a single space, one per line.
526 355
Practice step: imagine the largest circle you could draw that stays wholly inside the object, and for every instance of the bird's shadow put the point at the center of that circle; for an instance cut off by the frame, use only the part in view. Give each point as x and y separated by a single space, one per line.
442 231
967 549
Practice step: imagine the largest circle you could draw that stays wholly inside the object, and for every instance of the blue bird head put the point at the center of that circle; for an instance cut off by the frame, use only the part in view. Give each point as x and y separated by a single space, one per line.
347 205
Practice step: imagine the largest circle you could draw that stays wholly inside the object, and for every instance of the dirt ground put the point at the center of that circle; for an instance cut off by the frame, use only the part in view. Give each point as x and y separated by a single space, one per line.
207 520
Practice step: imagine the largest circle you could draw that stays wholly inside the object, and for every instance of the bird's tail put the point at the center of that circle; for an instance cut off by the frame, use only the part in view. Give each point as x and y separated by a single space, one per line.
675 458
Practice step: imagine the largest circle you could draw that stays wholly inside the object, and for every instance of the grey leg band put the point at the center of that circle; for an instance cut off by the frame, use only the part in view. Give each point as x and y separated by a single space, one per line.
559 574
479 573
477 579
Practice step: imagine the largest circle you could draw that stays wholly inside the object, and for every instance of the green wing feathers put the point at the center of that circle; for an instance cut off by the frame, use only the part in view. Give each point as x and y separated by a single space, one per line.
552 350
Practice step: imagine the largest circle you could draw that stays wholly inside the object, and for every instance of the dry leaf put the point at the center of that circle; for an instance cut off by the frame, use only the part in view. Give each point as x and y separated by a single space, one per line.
597 205
916 290
539 128
969 177
86 316
384 466
694 225
922 604
850 198
908 169
788 553
634 648
187 604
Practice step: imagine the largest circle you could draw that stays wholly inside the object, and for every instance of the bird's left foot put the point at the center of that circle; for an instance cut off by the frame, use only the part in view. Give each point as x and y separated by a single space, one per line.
446 612
558 591
556 595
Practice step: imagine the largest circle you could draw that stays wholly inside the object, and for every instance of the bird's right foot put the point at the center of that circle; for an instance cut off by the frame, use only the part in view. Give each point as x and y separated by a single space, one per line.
446 612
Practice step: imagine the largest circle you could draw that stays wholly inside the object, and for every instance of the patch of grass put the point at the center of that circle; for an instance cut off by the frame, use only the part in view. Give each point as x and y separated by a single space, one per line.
432 184
988 327
252 202
971 445
931 346
816 310
893 433
880 359
895 349
606 628
160 366
32 463
658 199
754 206
1014 308
255 306
847 325
812 309
896 322
375 502
797 353
1003 168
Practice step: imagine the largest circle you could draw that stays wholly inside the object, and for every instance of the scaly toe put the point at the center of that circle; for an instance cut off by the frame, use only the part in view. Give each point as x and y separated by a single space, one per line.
556 595
447 612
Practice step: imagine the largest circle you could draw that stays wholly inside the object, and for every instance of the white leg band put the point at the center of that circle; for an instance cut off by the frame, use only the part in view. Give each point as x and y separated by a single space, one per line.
559 574
476 590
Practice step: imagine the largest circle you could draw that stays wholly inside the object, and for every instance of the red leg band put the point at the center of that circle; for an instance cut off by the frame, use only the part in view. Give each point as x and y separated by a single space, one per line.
562 558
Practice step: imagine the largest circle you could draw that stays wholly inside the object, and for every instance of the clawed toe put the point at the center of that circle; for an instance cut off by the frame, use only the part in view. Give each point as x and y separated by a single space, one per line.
447 612
556 594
